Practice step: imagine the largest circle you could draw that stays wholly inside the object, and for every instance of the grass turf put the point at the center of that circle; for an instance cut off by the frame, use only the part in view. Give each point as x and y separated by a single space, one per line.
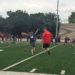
61 58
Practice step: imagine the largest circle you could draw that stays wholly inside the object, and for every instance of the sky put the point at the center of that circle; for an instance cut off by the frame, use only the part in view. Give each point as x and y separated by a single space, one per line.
35 6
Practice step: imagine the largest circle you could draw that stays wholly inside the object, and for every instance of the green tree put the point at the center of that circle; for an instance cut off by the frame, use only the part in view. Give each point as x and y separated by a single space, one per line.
17 21
2 24
72 18
20 21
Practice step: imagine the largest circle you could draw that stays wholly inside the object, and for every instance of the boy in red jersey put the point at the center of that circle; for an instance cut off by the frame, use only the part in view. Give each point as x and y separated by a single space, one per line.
46 39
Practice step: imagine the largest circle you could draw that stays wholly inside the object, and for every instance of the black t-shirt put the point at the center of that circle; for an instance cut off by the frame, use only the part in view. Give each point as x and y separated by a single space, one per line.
32 38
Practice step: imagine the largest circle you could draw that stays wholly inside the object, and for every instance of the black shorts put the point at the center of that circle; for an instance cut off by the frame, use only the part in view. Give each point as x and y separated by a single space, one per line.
32 44
46 45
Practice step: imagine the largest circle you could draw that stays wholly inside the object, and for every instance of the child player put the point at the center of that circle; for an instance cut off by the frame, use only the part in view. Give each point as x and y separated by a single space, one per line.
32 39
46 39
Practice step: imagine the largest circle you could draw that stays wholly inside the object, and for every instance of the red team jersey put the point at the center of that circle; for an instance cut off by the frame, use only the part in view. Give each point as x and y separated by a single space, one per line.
46 37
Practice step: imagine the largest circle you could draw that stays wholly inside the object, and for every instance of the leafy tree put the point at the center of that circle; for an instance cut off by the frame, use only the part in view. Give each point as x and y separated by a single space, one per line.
20 21
72 18
2 24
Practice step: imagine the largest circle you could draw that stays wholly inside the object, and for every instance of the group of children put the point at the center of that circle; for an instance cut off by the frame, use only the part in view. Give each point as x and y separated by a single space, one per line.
69 41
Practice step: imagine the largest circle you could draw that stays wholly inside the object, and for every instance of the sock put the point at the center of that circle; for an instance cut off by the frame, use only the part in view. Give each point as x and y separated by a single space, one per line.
48 52
32 51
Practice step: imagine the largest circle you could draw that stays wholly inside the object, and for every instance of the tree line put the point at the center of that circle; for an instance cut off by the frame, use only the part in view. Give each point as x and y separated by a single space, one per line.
71 18
20 21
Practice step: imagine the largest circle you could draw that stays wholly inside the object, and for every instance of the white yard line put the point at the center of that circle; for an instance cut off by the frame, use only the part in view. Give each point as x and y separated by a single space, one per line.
1 50
21 73
62 72
5 47
33 70
12 45
8 46
73 53
6 68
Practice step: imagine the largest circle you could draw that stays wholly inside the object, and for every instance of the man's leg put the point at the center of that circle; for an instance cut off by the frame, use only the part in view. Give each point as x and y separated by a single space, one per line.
48 51
46 48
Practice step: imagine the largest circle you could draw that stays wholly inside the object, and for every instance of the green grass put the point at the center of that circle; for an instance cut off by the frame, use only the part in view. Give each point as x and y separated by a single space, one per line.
13 53
61 58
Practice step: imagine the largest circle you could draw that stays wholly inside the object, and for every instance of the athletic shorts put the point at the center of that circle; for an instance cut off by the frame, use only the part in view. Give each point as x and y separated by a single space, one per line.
32 44
46 45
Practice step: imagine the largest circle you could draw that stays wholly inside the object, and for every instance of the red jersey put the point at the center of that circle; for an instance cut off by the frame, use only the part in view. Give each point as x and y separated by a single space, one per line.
47 37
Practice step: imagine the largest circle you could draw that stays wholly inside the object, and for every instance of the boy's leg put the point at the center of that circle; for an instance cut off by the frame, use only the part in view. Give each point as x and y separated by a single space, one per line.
33 48
32 51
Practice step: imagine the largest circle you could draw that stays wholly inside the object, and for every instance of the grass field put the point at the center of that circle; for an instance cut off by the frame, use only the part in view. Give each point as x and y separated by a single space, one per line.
62 58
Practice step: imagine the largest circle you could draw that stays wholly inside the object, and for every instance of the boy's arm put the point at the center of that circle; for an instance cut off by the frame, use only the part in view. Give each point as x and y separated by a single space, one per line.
36 31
